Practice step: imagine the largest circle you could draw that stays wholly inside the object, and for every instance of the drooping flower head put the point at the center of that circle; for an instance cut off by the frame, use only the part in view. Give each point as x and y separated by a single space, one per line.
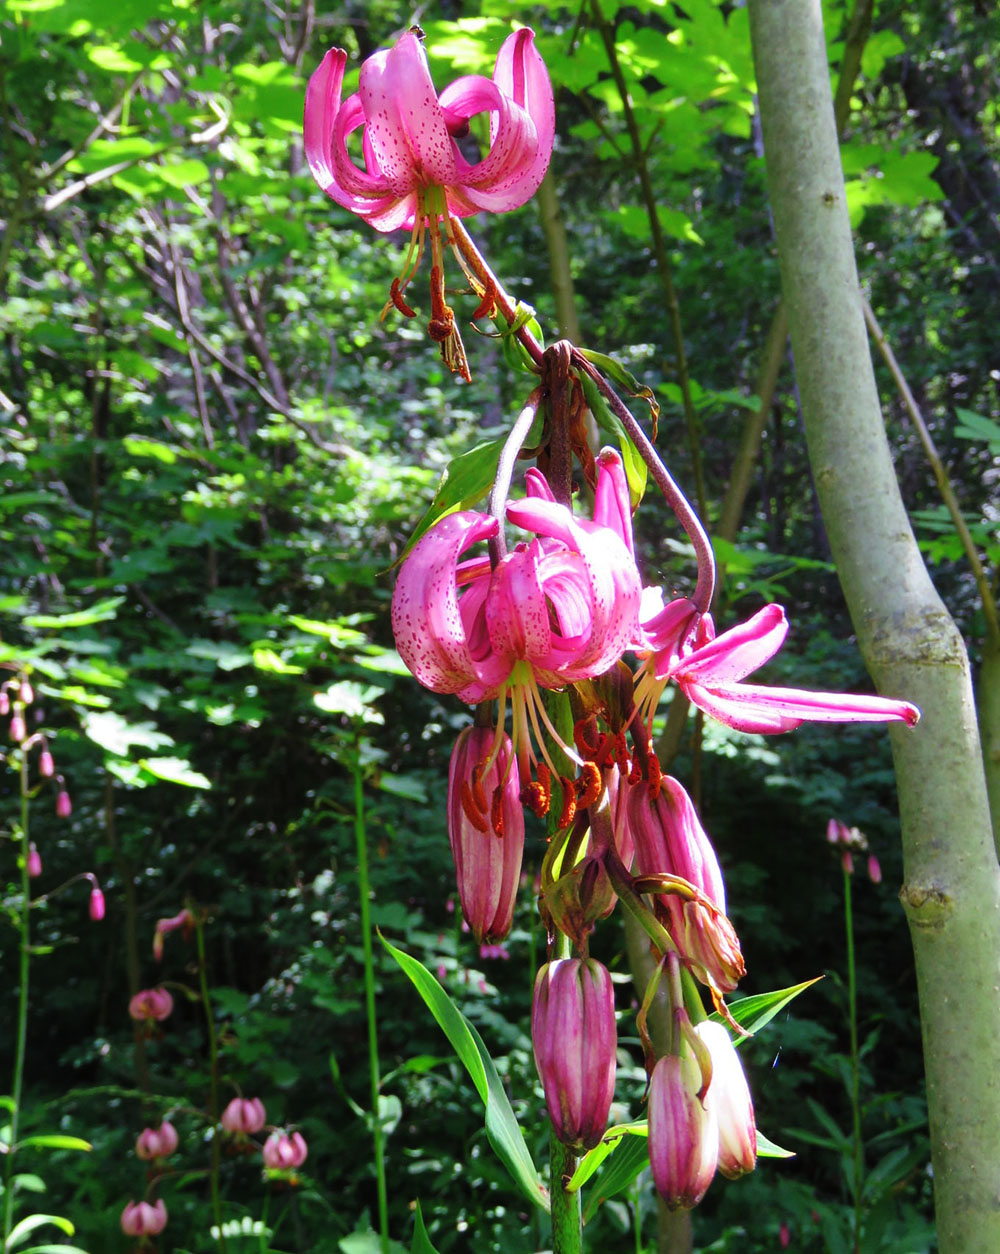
244 1116
415 175
149 1004
144 1219
154 1143
284 1151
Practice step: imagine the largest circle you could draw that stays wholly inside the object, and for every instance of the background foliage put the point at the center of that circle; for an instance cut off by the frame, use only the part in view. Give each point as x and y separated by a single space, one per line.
213 452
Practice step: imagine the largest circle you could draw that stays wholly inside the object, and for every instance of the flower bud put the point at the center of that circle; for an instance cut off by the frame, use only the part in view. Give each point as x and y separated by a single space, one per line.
96 905
4 701
18 731
729 1097
140 1219
244 1116
486 831
151 1003
874 869
184 920
683 1133
46 766
284 1151
34 862
25 693
153 1143
574 1037
64 807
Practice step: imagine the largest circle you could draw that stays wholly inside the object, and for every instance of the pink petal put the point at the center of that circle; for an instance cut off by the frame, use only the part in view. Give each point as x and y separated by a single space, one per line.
536 485
495 182
520 73
612 502
426 615
738 651
405 124
754 708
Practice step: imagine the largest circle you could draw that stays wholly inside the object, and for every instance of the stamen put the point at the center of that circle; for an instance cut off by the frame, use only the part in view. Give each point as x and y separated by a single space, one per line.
568 812
396 296
478 792
488 302
496 811
581 732
622 758
655 776
588 786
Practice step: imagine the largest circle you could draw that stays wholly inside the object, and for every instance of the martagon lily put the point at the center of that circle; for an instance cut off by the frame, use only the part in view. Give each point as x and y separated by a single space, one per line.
415 175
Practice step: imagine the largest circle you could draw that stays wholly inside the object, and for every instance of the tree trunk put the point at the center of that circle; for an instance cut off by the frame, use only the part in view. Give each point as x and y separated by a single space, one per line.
951 892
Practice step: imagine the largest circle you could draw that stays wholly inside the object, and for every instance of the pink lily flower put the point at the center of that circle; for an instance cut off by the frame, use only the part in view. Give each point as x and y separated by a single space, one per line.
409 134
711 674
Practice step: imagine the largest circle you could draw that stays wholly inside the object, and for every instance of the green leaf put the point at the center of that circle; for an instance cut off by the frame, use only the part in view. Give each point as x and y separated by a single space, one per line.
421 1243
59 1248
606 1146
113 733
184 173
501 1124
635 468
768 1149
99 612
28 1225
973 426
54 1140
628 1162
175 771
352 700
752 1013
267 660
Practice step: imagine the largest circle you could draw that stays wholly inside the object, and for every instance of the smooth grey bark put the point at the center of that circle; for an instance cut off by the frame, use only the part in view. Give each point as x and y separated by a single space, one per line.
951 890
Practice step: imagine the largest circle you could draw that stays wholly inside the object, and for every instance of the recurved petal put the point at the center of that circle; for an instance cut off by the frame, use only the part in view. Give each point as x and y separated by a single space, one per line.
754 707
405 124
520 73
738 651
426 615
612 502
498 177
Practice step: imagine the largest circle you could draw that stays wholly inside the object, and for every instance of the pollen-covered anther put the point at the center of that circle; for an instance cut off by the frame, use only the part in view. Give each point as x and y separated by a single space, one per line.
537 794
478 792
396 296
586 747
496 811
568 812
622 758
588 785
654 775
488 302
472 811
441 329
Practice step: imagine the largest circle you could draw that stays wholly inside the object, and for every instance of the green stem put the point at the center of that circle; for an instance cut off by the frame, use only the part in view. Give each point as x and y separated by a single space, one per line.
567 1217
852 1010
22 1009
213 1078
364 893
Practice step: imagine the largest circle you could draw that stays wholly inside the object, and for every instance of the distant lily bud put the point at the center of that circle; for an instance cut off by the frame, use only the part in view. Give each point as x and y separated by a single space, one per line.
874 869
185 921
486 831
847 862
4 701
18 731
284 1151
683 1133
25 693
96 904
151 1003
574 1037
140 1219
46 766
64 807
244 1116
34 863
784 1236
153 1143
729 1096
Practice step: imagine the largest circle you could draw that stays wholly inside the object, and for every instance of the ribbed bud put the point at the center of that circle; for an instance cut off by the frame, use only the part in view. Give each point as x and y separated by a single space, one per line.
729 1096
683 1133
486 831
574 1036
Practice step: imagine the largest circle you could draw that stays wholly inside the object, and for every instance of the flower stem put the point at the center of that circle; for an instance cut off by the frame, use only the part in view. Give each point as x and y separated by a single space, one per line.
364 893
852 1009
567 1216
213 1076
480 268
20 1048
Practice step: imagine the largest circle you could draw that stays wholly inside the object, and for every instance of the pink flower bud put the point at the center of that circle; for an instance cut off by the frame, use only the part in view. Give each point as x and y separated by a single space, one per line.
874 869
96 905
18 731
784 1236
153 1143
486 831
151 1003
574 1037
184 920
284 1151
140 1219
4 701
729 1097
25 693
847 862
244 1116
64 807
34 863
683 1133
46 766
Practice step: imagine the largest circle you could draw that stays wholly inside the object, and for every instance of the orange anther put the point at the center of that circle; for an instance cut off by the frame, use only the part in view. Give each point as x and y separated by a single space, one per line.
568 812
472 812
396 297
588 786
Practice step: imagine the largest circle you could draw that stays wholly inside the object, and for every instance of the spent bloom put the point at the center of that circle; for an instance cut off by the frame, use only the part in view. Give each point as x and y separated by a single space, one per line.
149 1004
153 1143
244 1116
574 1037
142 1219
284 1151
486 831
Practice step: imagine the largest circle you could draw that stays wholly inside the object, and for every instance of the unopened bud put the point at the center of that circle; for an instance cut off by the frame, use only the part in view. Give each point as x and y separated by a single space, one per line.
46 766
683 1133
4 701
847 862
64 807
96 904
874 869
25 693
34 863
18 731
729 1096
574 1037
